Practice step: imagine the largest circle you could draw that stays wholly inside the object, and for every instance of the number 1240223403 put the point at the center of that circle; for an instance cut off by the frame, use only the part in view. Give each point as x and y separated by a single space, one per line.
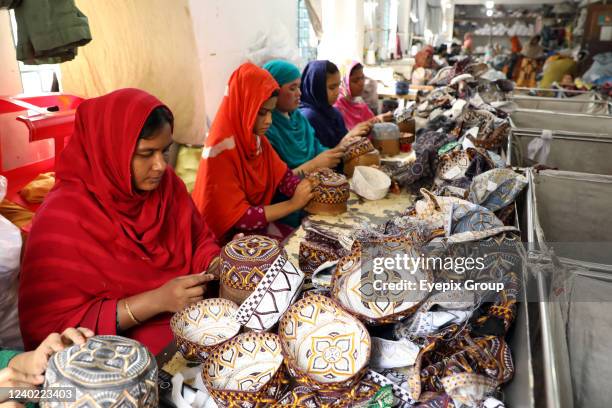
60 394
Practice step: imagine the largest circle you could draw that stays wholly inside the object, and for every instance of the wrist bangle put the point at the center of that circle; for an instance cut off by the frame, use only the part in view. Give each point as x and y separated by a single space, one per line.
129 312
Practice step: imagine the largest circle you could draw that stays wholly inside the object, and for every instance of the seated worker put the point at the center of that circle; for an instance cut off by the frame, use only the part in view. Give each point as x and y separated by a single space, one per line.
118 245
320 89
240 172
424 66
351 105
25 370
290 132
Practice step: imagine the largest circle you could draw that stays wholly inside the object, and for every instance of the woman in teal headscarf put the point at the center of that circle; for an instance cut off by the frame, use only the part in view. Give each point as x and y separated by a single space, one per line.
291 134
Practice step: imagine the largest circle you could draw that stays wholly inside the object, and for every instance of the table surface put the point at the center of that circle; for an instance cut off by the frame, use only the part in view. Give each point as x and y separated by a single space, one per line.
409 97
359 211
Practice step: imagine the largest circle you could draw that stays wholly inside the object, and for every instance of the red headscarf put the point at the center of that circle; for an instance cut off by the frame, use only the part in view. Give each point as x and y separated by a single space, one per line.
353 111
238 169
96 240
424 57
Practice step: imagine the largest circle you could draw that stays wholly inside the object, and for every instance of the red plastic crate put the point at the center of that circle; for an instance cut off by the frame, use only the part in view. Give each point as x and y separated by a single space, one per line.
39 124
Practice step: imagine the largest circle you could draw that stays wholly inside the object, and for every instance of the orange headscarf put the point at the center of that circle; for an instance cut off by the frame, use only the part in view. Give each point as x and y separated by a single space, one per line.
238 168
516 44
424 57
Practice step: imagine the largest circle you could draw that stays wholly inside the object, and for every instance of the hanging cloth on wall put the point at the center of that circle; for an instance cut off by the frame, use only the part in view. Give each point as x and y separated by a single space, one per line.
50 31
9 4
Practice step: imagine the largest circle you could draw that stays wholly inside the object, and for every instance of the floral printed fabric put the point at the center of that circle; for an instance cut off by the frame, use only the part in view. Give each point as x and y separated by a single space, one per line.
497 188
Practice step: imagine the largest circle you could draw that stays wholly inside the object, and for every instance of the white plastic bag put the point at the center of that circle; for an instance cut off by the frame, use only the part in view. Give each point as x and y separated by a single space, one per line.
539 148
10 242
273 45
201 399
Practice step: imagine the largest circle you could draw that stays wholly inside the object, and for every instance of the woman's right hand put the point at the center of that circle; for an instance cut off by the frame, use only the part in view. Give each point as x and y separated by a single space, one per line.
180 292
35 362
329 158
303 194
362 129
13 378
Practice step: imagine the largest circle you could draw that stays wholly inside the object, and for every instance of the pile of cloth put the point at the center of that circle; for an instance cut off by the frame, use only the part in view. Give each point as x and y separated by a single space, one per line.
601 71
521 29
518 28
450 349
462 123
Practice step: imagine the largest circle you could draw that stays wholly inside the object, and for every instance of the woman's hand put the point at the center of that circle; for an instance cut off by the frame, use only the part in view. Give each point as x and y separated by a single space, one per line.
329 158
180 292
303 194
11 404
214 268
347 140
35 362
384 117
13 378
362 129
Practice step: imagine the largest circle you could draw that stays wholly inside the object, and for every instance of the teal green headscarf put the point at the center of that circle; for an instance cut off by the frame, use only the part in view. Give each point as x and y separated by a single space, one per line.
292 137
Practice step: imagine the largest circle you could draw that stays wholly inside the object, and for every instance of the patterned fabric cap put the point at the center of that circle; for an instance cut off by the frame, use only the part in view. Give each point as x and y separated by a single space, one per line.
277 290
105 371
244 261
325 347
355 287
247 371
497 188
332 188
200 327
385 131
358 148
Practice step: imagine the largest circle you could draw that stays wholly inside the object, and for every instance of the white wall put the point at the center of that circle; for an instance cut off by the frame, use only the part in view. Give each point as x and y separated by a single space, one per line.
403 22
343 30
224 30
10 80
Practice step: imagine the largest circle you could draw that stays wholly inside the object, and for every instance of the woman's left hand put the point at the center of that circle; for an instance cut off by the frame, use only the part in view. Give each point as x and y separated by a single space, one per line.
214 268
35 362
385 117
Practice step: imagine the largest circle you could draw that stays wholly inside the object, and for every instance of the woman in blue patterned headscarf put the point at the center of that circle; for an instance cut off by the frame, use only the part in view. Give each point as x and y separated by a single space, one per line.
290 134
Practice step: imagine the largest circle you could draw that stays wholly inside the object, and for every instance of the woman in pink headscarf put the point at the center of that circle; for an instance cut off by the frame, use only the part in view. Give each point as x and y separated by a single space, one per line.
468 43
351 105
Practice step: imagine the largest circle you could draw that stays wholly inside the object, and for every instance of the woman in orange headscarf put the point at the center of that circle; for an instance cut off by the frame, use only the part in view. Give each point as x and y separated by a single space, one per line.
240 172
423 66
515 57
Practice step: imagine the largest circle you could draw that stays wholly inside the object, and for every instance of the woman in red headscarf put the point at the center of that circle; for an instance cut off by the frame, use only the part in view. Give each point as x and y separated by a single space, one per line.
118 244
240 172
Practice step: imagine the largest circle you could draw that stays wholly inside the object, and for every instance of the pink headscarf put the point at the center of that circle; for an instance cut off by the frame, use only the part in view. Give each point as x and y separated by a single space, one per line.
353 110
